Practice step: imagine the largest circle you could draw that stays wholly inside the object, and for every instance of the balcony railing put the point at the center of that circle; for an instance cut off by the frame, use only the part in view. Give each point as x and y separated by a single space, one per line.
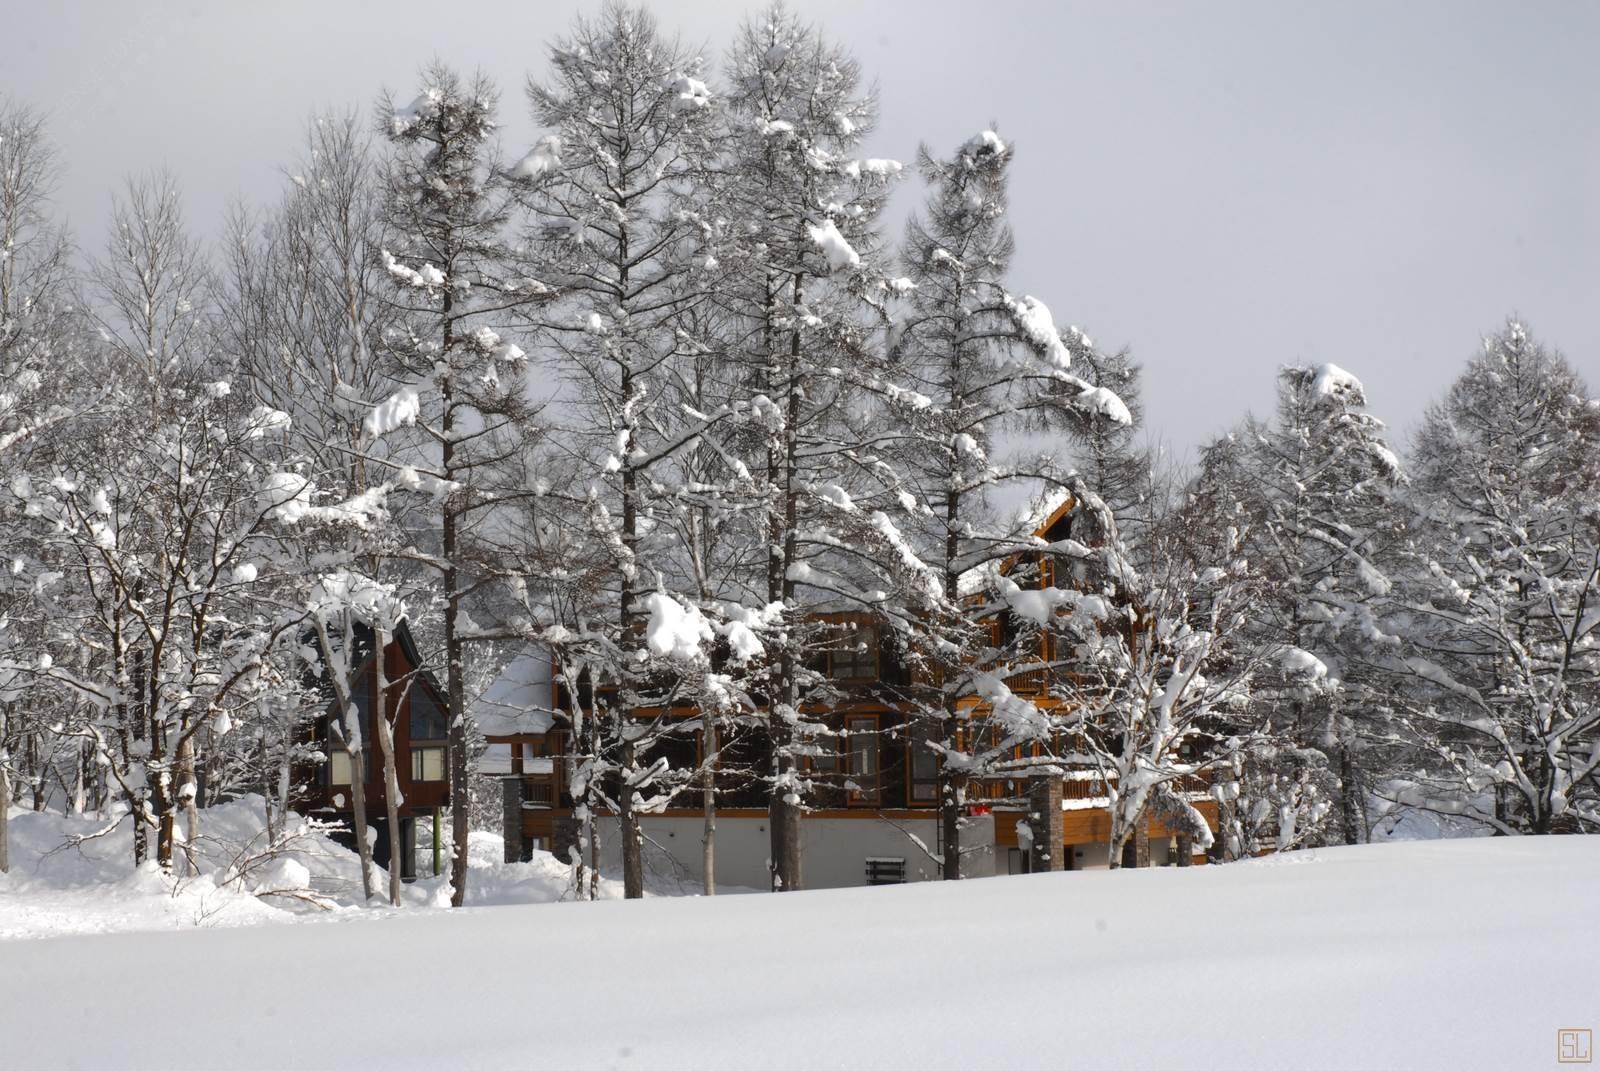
1078 785
539 792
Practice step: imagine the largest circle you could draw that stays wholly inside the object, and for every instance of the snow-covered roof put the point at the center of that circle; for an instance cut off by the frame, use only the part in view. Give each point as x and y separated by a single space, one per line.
977 578
1032 520
1037 515
519 699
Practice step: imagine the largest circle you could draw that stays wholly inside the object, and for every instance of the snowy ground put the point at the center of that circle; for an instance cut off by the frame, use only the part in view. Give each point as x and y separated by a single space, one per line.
57 886
1459 954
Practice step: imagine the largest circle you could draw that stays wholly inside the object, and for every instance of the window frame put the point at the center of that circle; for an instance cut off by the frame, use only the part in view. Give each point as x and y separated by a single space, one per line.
420 688
866 635
337 754
869 792
418 769
922 733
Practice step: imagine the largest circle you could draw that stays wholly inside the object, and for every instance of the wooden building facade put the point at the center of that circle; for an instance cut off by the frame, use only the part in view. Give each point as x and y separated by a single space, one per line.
872 808
414 704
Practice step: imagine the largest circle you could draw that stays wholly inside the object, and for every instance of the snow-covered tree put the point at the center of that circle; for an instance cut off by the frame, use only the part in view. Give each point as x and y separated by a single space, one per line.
301 302
156 526
35 268
153 285
1322 496
38 333
1498 608
1114 458
1310 498
352 618
616 228
455 284
802 292
983 363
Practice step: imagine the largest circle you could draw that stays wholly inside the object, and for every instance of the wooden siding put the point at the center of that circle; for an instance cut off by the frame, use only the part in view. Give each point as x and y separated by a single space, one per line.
420 797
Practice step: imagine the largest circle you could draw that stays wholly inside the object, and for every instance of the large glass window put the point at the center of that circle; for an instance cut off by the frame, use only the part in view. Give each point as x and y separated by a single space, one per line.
861 747
428 721
924 763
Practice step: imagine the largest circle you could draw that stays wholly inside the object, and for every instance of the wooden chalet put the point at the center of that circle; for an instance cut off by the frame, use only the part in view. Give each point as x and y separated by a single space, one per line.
872 815
415 705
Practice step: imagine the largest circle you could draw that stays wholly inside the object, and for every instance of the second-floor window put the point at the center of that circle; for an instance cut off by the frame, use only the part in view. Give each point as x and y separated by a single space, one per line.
429 728
428 721
856 656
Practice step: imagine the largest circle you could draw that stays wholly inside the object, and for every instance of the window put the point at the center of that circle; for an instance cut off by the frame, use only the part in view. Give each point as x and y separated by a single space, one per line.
924 763
335 731
856 657
427 764
742 759
428 721
825 759
429 728
861 750
339 765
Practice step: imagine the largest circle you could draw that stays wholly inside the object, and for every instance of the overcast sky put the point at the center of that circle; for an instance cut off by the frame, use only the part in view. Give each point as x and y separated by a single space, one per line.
1221 187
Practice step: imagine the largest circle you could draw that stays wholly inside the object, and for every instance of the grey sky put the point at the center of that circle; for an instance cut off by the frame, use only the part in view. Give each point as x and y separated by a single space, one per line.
1222 187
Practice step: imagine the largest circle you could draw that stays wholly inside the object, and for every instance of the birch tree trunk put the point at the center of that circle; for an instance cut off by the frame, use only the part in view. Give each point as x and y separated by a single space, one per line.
188 789
708 840
5 812
358 812
391 779
354 744
454 648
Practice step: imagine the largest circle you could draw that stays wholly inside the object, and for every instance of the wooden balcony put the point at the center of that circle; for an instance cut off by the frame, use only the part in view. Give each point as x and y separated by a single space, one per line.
540 792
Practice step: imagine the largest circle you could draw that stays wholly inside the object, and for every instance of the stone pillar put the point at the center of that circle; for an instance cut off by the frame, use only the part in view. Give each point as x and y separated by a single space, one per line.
564 836
1141 843
1049 829
511 796
1185 849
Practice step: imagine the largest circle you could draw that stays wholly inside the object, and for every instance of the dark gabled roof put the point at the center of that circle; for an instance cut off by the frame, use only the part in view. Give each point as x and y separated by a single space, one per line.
362 638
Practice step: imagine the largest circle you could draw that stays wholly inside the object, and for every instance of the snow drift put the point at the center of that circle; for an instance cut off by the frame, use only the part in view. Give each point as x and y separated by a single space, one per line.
1460 954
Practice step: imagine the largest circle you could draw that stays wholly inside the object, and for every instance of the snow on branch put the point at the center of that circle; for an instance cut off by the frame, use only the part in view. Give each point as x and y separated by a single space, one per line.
543 158
400 409
427 278
1104 402
839 253
676 630
1038 329
369 601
